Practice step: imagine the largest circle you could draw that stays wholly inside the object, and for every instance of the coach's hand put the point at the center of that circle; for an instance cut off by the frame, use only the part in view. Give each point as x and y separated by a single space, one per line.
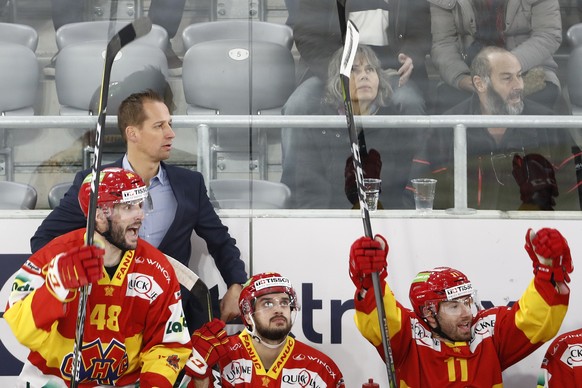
76 268
367 256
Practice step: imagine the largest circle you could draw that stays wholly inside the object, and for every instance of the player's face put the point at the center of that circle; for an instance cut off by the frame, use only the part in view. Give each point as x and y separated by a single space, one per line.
272 316
364 83
455 317
124 224
154 138
505 89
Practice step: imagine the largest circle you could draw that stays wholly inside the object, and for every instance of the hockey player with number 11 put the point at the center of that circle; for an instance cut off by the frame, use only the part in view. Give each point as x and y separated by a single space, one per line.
134 330
447 340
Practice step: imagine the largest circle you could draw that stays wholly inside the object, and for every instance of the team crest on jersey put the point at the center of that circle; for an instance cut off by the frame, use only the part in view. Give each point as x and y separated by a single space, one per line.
173 361
100 365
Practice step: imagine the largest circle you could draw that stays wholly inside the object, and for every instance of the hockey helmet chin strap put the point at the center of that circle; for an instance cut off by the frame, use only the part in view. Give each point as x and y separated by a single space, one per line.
256 335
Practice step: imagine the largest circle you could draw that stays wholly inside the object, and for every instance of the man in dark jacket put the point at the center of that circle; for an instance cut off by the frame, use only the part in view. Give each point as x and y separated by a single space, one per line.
178 203
495 178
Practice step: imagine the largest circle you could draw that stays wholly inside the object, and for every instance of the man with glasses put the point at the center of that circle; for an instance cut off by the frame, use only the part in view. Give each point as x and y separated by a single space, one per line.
447 339
491 181
263 354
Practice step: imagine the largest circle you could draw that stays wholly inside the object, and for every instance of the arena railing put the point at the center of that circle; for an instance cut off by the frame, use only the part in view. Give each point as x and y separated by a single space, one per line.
203 122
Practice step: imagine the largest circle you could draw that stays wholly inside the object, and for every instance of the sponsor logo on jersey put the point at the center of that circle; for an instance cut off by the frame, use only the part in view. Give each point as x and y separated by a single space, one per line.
123 268
458 291
272 282
283 356
160 268
238 371
176 328
101 363
22 284
483 328
32 267
422 335
143 286
573 356
300 377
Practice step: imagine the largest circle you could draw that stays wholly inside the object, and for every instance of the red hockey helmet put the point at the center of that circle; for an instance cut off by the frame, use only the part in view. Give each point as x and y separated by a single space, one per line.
116 185
438 285
263 284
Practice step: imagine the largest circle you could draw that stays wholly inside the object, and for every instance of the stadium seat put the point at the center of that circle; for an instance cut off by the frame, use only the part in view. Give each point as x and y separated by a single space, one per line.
238 29
14 196
574 35
19 34
102 30
225 73
57 192
78 74
19 77
248 194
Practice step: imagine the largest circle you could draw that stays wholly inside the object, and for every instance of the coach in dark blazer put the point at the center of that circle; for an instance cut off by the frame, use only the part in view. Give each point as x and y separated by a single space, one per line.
147 130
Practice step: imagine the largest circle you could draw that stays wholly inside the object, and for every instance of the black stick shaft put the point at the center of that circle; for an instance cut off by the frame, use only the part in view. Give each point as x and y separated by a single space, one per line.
126 35
350 35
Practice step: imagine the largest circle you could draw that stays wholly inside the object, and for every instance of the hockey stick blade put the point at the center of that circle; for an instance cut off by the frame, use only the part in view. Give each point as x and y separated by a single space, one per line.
126 35
194 284
348 56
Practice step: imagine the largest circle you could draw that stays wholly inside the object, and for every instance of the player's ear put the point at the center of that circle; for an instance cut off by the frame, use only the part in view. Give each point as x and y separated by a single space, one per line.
101 217
430 316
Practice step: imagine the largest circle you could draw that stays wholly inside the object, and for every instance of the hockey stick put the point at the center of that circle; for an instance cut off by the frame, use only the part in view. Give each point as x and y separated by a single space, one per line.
194 284
341 10
127 34
349 53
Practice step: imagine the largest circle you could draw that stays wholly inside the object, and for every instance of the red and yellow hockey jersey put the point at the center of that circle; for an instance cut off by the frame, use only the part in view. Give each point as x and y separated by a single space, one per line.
134 327
298 365
501 336
562 364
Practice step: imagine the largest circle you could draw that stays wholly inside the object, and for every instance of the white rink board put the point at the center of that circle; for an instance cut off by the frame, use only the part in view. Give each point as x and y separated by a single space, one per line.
313 253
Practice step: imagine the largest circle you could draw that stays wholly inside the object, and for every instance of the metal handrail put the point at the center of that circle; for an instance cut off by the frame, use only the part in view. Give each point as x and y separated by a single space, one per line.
460 124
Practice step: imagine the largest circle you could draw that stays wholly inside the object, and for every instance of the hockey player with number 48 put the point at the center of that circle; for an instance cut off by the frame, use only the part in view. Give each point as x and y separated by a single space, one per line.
135 331
447 340
263 354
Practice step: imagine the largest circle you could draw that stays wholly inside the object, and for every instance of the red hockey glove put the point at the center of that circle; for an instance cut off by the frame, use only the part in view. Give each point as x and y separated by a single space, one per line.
371 166
76 268
550 254
367 256
209 345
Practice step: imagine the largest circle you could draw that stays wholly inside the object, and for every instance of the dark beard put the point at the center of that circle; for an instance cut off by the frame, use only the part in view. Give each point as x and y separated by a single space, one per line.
498 106
116 237
277 334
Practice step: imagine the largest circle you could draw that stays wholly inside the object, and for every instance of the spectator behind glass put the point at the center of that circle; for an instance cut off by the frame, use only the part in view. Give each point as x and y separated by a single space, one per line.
397 32
562 364
315 168
531 30
496 76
